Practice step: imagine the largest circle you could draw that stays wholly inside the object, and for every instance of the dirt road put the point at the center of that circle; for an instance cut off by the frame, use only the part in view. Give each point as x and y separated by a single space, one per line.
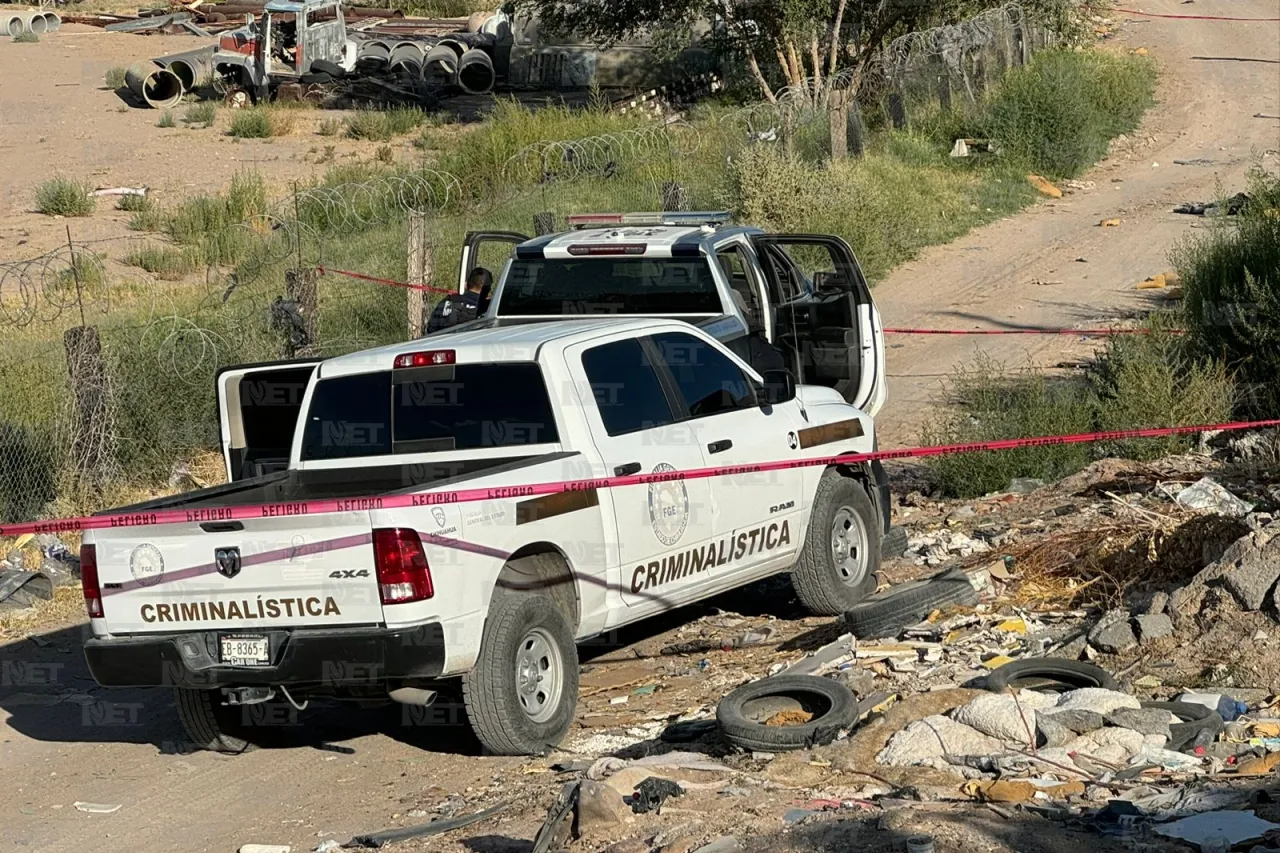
1023 271
63 740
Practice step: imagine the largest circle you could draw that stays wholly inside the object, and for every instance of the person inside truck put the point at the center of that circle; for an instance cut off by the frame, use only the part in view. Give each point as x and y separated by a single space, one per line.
462 307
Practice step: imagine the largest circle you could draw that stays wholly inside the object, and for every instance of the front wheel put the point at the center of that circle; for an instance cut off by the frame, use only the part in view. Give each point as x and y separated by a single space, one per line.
841 553
523 690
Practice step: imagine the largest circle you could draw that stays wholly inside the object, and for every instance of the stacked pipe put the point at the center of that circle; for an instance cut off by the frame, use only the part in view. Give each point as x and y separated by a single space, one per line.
154 84
36 23
406 58
190 67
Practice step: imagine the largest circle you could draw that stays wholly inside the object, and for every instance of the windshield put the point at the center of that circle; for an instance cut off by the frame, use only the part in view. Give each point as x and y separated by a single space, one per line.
552 287
429 409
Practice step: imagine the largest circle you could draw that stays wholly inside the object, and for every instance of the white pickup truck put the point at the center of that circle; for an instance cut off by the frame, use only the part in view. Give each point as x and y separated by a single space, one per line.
371 603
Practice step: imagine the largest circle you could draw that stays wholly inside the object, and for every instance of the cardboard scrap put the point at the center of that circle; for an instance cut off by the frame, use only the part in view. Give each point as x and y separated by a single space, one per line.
1019 791
1109 223
1043 186
1259 766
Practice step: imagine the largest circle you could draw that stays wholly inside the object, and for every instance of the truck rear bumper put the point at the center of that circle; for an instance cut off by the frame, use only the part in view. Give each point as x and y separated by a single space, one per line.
329 657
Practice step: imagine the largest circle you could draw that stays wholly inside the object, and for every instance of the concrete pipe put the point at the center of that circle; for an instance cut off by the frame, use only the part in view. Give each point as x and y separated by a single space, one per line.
12 23
191 68
34 22
440 63
457 46
52 21
475 72
406 56
154 84
373 55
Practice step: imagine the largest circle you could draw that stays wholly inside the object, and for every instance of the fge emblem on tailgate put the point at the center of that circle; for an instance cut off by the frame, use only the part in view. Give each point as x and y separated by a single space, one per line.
227 561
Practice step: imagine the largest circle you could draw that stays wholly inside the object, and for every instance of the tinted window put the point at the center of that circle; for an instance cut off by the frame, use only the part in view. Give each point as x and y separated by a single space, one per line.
472 406
349 416
270 403
626 387
429 409
612 285
708 381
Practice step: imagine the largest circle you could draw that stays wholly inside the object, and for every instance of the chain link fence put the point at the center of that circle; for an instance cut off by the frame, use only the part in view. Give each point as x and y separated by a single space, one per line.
106 383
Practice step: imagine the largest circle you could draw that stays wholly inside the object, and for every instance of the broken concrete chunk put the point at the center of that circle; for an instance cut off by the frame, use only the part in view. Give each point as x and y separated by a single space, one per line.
1159 602
1112 634
1153 626
1206 493
1254 575
727 844
934 737
600 807
1109 744
1003 717
1147 721
1051 732
1078 720
1096 699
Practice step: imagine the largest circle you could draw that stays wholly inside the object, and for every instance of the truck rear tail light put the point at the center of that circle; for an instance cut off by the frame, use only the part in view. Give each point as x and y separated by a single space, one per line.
616 249
89 581
431 358
401 563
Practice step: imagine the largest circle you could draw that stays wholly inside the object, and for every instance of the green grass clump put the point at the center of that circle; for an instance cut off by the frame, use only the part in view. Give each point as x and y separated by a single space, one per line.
166 119
382 125
329 127
163 262
261 123
135 203
1058 114
62 196
26 38
1231 281
201 114
114 78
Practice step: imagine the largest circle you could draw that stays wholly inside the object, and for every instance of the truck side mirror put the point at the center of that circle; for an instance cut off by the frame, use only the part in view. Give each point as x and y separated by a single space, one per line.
779 387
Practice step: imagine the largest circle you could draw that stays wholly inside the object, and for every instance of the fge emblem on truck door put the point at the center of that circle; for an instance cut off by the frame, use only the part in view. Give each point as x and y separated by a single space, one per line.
668 507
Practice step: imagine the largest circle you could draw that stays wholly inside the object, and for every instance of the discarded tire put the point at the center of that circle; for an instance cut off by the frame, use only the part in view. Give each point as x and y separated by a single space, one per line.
894 543
887 613
324 66
1049 673
742 714
1195 720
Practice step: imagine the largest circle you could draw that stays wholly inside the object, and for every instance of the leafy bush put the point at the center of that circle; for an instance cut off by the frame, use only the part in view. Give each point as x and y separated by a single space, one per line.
1231 282
163 262
1058 113
261 123
62 196
382 125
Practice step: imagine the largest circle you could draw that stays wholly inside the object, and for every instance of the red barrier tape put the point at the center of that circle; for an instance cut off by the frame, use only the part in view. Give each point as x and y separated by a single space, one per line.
331 505
1085 333
1193 17
389 281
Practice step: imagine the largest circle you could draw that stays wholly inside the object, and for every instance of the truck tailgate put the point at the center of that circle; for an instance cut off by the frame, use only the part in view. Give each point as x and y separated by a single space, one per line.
296 570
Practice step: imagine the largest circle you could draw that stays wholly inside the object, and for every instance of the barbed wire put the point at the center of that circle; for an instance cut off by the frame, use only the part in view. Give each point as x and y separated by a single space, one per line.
43 287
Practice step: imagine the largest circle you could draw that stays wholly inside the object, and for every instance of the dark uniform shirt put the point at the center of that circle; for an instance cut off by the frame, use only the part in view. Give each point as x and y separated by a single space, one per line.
454 309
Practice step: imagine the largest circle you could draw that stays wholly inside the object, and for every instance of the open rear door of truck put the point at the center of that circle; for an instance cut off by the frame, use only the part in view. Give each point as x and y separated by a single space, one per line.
258 410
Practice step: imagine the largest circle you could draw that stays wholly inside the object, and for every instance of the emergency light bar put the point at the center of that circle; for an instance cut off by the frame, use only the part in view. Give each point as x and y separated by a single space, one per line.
698 217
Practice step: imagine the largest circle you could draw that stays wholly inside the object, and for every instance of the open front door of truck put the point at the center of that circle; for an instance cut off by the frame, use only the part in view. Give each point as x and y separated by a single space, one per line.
824 313
488 249
258 410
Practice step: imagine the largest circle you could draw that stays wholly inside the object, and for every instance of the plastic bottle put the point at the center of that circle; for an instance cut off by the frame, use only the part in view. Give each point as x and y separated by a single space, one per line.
1225 705
920 844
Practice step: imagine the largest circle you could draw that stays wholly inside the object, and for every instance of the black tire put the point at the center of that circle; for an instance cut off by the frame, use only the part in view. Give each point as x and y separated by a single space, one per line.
1041 673
1195 719
324 66
316 78
491 690
894 543
741 714
207 722
888 613
820 584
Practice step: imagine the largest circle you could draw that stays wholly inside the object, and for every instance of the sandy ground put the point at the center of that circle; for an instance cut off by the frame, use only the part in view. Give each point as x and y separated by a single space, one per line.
63 740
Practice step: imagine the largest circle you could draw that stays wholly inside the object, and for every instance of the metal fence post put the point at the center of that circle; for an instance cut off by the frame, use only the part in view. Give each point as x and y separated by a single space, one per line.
90 430
674 196
301 289
838 121
544 223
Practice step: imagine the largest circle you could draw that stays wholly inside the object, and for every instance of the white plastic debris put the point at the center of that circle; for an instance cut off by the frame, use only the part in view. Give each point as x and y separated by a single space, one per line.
935 547
934 737
98 808
1207 493
998 716
1236 827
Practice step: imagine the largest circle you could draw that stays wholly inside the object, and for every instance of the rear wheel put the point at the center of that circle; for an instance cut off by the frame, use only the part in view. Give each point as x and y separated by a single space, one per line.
523 690
841 554
208 723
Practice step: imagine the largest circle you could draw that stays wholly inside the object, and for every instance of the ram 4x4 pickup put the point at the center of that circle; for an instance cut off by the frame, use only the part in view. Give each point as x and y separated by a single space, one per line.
373 602
793 300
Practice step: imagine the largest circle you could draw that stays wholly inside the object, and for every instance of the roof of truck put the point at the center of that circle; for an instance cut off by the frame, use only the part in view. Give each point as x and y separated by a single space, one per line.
658 240
494 344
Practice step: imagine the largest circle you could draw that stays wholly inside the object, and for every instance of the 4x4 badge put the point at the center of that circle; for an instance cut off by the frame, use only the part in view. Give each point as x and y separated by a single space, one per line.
228 561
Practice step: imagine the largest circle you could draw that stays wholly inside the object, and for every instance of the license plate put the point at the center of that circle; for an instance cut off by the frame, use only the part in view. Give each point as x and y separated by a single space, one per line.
245 650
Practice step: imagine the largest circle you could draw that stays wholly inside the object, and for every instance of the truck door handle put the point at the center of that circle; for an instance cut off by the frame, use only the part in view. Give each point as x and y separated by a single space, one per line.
627 470
722 444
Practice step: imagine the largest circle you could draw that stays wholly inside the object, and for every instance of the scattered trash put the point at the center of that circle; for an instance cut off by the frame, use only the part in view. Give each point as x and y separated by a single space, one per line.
742 714
1227 707
965 147
1109 223
750 638
920 844
1232 206
115 191
1043 186
1140 51
264 848
377 840
1206 493
327 846
98 808
1198 161
652 793
1236 827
